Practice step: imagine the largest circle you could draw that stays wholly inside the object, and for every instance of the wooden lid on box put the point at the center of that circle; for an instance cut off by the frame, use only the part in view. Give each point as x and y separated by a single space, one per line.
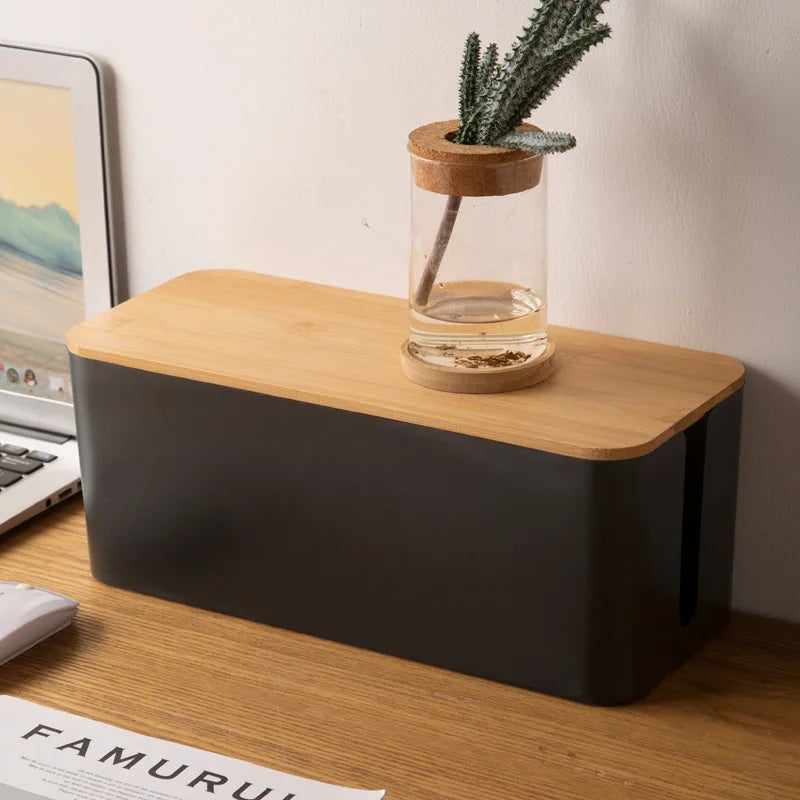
610 398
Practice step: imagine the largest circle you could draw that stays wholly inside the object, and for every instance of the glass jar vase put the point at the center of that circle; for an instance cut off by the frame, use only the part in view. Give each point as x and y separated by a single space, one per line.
478 269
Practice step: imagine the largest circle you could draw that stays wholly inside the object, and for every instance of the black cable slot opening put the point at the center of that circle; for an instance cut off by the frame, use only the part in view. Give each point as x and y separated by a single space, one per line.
692 517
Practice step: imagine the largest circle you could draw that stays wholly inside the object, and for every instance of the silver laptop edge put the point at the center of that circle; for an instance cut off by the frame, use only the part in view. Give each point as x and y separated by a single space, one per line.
38 412
37 422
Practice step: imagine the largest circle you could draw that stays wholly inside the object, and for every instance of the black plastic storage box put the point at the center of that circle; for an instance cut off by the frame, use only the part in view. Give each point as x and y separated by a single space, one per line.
249 445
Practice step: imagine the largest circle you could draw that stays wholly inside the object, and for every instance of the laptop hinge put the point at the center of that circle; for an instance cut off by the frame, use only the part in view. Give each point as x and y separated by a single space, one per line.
34 433
37 413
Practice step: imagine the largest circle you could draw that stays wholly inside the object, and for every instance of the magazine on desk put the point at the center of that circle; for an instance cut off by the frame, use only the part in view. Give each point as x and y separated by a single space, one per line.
51 755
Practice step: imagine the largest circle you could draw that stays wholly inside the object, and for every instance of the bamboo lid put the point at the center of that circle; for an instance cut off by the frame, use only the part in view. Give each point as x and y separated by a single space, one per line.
609 399
469 170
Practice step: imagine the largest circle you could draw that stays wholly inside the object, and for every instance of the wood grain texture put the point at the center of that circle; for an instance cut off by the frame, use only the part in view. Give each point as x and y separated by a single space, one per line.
726 726
610 398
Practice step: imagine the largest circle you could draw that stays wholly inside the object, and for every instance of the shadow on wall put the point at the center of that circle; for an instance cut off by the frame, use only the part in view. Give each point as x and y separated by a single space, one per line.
768 513
735 180
752 186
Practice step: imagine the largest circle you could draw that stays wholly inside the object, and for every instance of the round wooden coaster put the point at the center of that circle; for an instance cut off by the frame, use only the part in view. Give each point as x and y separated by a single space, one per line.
477 381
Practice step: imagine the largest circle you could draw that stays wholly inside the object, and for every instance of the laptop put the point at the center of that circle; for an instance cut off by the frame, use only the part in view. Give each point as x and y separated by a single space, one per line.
55 265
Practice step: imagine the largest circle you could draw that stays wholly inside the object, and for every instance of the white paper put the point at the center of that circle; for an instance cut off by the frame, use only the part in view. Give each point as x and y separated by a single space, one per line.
50 755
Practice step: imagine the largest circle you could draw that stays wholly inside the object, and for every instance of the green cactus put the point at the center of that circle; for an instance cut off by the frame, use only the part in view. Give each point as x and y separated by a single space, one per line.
488 67
537 141
556 38
494 99
468 85
545 74
585 15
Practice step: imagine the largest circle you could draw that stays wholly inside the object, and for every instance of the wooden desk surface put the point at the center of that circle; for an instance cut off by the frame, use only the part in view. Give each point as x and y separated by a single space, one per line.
727 725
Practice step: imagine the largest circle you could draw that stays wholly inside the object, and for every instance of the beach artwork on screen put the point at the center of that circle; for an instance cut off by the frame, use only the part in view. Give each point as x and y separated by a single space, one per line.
41 286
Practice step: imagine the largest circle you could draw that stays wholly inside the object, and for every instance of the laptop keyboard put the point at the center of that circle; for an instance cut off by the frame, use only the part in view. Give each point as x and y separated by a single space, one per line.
16 462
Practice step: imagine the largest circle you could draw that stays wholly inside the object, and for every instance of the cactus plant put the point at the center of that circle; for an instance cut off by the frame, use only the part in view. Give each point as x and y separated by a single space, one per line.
494 98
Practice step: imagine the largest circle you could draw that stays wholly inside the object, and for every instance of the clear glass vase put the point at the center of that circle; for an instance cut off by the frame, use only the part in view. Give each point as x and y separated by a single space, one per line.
478 270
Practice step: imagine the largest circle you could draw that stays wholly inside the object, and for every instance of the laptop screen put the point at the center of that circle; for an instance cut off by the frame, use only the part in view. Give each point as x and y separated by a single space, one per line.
41 276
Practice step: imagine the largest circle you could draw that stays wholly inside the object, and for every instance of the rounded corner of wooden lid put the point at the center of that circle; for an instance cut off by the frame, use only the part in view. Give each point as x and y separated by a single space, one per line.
72 340
444 166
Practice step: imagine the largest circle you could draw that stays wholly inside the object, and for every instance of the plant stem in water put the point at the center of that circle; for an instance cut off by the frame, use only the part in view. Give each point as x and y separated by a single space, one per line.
423 293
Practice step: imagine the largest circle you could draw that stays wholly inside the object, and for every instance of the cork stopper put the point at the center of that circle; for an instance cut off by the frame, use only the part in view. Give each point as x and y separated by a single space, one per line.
469 170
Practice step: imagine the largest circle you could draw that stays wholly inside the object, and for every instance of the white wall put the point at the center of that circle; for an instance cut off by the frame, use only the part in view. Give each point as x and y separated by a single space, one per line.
270 135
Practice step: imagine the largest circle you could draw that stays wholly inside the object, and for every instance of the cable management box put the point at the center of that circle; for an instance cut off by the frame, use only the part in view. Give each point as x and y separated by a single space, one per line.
250 445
